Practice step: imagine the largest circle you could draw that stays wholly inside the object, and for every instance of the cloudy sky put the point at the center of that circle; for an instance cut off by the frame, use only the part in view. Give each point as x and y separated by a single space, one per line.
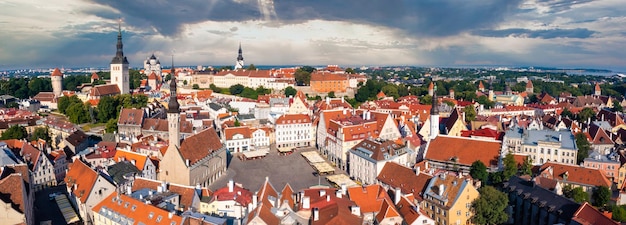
559 33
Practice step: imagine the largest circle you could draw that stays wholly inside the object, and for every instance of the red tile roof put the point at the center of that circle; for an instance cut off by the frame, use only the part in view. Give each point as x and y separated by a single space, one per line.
45 97
373 199
139 159
575 173
588 215
229 132
84 177
293 119
31 155
56 73
12 192
465 150
105 90
131 117
332 210
398 176
136 210
240 195
206 139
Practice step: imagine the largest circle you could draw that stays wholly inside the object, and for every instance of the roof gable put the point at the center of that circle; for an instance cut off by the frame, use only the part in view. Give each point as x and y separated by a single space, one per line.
464 150
83 177
197 146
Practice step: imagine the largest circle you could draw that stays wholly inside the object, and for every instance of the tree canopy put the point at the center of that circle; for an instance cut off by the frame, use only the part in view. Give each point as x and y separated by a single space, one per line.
236 89
14 132
290 91
490 207
601 196
583 147
478 171
41 133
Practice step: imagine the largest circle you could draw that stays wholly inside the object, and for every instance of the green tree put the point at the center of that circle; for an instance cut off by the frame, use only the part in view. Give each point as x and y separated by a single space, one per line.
237 123
77 113
390 90
426 100
111 126
583 147
249 93
577 194
527 166
617 107
236 89
331 94
215 88
585 114
14 132
349 70
262 90
619 213
168 77
41 133
566 113
510 166
251 67
362 94
13 105
185 82
484 100
290 91
470 113
62 103
490 207
107 109
195 86
478 171
303 75
601 196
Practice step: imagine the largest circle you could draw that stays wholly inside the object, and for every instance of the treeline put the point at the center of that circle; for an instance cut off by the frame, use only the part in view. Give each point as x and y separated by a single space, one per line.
241 91
107 110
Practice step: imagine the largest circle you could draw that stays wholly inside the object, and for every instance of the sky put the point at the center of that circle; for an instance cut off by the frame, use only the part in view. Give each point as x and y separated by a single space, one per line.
81 33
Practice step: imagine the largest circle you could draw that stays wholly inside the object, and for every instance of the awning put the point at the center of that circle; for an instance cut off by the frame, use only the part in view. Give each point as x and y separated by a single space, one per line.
66 209
313 157
257 153
323 167
341 179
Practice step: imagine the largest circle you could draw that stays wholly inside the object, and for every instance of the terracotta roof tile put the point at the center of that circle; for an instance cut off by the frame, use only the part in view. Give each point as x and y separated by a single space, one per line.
105 90
588 215
287 195
575 173
31 155
465 150
84 177
140 159
229 132
240 195
131 117
56 73
293 119
12 191
370 198
138 211
398 176
198 146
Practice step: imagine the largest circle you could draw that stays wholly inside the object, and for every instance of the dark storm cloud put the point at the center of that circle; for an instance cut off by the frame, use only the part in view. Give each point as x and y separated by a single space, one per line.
543 34
422 18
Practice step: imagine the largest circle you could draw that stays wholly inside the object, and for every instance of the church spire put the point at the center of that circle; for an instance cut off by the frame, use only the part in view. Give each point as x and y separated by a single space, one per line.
240 56
172 106
434 110
119 57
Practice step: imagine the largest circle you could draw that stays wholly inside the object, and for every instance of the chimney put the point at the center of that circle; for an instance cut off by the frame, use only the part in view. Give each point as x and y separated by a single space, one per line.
342 100
306 202
440 190
316 214
397 196
254 200
327 198
187 162
129 190
356 210
199 189
231 185
328 101
337 194
170 215
345 111
560 135
344 189
418 169
133 162
322 192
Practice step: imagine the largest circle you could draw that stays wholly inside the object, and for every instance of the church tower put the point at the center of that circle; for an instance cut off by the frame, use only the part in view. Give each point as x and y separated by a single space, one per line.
119 66
239 62
173 115
57 82
597 90
530 87
434 116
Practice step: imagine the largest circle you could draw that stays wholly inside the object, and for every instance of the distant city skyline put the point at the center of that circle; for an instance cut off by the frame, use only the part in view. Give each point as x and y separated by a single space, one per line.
446 33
